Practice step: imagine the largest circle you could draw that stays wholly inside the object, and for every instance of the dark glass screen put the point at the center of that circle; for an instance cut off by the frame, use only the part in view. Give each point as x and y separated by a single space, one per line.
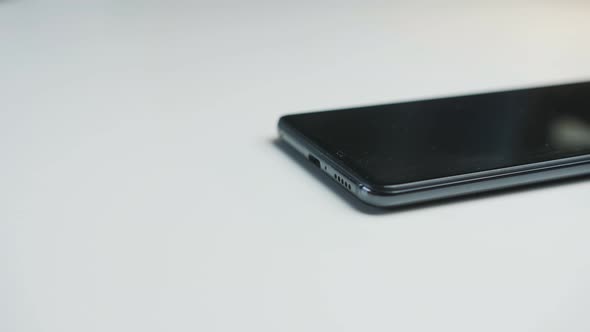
414 141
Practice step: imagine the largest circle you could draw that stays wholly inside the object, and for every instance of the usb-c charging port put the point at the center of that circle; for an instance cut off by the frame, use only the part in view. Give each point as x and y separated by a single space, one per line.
314 161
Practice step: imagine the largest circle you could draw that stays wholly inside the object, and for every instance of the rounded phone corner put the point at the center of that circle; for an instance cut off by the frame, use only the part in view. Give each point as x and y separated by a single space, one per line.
282 123
377 196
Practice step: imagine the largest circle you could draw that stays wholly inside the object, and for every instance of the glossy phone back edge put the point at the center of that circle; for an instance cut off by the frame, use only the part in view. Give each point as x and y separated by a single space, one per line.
396 196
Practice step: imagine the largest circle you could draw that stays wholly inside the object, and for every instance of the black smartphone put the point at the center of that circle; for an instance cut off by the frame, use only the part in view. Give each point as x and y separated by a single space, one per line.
410 152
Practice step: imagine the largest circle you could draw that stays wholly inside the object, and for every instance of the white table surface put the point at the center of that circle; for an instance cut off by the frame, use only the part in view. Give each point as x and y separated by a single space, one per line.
141 188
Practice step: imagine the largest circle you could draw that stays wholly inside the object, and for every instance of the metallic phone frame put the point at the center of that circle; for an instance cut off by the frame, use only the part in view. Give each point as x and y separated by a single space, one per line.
440 188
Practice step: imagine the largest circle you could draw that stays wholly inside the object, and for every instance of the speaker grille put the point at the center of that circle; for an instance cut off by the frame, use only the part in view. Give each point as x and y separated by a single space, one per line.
343 181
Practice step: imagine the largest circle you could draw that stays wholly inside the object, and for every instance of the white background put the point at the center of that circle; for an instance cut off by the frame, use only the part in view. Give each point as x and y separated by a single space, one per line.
141 188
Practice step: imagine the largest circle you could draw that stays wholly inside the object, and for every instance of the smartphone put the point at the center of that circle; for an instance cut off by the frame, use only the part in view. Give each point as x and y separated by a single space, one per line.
410 152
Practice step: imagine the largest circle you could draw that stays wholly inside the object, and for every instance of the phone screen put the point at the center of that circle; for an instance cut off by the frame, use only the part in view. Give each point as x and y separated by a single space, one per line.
415 141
